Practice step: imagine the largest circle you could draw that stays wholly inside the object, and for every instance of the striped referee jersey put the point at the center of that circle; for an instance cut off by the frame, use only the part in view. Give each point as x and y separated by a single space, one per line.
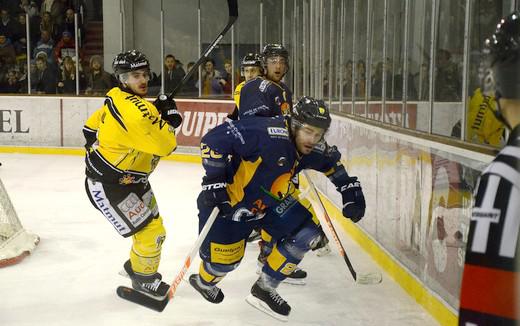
490 287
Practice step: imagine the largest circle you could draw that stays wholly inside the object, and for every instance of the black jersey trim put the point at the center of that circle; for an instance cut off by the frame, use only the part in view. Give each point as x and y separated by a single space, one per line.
115 112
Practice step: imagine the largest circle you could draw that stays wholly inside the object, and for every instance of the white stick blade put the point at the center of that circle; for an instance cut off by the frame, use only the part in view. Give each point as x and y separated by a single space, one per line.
369 278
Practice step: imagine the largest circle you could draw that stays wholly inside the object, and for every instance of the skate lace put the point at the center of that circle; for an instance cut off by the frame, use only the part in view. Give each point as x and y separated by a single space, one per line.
276 298
152 285
213 292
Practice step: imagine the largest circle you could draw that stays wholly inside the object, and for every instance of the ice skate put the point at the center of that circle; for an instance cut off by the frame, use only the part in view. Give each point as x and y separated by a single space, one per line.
269 302
211 293
150 285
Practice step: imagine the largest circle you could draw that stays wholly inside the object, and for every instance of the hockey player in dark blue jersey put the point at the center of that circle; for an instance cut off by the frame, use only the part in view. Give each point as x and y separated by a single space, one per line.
268 96
249 165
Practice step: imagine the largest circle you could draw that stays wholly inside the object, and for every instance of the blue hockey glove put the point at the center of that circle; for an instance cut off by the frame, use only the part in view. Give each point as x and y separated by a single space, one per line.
215 194
168 110
353 199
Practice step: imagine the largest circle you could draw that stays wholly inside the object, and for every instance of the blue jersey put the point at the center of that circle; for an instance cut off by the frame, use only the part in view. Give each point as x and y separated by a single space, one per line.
258 160
262 97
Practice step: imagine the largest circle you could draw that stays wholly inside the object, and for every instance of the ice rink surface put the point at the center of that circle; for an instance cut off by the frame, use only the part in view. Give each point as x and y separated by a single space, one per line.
71 277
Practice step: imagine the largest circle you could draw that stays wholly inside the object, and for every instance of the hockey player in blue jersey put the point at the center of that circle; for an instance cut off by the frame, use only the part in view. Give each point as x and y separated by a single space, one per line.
268 96
249 165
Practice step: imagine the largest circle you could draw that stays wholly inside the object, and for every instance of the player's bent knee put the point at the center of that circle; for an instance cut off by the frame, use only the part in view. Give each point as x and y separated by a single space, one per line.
304 240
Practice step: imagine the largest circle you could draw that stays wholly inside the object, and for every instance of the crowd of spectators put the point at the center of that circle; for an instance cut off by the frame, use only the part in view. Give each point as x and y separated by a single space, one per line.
52 46
447 80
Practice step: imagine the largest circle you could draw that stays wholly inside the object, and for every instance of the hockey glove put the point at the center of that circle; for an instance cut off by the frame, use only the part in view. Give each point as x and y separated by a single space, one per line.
353 199
215 194
168 110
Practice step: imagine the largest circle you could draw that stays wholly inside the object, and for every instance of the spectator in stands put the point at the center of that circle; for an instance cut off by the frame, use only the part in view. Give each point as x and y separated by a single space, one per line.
347 80
66 46
20 38
7 25
226 80
448 80
67 80
45 44
47 24
98 80
11 84
173 74
21 75
55 8
29 7
360 79
210 79
7 53
68 23
43 78
190 88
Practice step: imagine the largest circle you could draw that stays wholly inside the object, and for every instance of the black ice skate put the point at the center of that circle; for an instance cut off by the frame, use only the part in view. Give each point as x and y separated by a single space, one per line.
151 285
213 294
270 302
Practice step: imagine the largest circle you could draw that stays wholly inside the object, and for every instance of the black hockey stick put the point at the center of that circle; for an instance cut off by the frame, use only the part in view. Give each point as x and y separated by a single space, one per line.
159 304
368 278
233 15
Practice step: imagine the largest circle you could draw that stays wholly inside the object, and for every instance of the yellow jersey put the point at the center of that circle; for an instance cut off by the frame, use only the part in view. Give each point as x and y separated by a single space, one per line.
236 93
131 138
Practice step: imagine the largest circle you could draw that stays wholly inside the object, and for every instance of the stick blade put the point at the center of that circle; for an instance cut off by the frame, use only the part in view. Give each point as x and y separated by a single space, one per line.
142 299
369 278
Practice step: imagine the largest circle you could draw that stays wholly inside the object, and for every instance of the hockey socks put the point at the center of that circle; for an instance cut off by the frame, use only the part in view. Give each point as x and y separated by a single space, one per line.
211 293
150 285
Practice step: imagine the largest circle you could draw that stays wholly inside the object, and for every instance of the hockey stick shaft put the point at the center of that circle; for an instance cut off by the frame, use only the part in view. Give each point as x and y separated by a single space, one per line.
233 15
328 221
193 252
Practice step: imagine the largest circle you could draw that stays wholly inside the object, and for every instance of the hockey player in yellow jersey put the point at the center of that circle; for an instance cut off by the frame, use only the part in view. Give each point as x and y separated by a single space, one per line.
250 67
125 140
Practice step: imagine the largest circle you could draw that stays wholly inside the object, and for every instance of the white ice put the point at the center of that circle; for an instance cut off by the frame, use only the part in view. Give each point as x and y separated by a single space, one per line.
71 277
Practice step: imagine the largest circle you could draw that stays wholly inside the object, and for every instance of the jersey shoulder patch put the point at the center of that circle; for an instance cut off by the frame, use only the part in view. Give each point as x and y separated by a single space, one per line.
263 85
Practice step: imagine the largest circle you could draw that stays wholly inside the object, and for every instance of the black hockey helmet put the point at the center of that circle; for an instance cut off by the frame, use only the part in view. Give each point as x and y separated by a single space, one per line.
312 112
502 51
275 50
252 60
129 61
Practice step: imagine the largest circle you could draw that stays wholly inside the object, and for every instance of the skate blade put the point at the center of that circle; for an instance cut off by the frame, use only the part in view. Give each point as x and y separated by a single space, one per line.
294 281
369 278
263 307
323 251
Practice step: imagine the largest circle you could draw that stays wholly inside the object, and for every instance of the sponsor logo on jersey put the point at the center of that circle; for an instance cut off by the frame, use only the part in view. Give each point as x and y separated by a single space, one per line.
493 215
282 161
263 85
278 132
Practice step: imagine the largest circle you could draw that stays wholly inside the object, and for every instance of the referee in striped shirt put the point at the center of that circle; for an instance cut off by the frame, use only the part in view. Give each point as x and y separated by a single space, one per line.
490 286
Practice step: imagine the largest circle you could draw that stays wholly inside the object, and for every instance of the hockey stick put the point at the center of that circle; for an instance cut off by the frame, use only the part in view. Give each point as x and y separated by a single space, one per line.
159 305
367 278
233 15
